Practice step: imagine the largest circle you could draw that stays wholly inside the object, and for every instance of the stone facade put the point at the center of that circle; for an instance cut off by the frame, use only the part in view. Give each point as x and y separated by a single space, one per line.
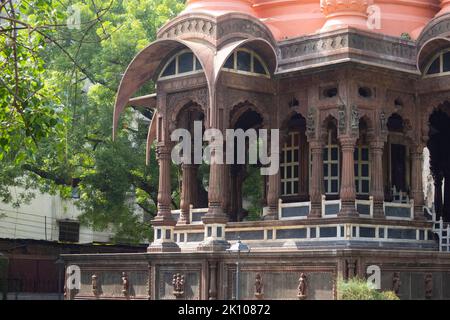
357 103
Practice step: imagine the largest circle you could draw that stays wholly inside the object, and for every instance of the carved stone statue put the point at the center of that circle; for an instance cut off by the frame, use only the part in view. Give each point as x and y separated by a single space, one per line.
396 283
258 287
125 285
428 286
302 287
383 122
178 285
94 282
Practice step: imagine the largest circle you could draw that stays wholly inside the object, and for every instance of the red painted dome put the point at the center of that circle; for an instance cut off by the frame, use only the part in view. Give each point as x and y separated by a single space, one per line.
293 18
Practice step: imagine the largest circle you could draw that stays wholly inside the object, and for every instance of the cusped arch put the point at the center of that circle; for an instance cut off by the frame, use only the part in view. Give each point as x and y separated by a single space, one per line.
241 107
432 106
326 119
146 64
284 129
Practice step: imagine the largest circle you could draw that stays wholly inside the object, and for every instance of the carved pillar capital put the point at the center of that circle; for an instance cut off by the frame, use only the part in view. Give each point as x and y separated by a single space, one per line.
347 142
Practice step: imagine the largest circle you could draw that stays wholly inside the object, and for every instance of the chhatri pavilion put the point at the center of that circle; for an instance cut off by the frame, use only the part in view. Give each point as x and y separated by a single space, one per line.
360 91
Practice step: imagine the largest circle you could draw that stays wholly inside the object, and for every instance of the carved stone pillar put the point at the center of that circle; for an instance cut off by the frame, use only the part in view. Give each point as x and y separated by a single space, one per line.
348 192
315 190
416 181
187 192
215 220
273 196
164 223
376 179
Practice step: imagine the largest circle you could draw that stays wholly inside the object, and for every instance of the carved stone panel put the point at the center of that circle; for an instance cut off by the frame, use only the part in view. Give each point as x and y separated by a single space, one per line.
283 285
166 286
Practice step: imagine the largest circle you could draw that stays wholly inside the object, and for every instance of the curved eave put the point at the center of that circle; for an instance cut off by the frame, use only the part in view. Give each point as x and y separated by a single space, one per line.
261 46
147 62
429 49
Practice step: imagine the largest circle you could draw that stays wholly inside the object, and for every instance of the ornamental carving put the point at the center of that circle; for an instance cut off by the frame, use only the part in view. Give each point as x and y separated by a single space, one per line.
311 122
332 6
178 285
302 287
342 119
355 119
238 26
428 285
213 30
438 26
191 25
176 101
258 287
125 285
293 53
396 283
94 284
351 268
383 122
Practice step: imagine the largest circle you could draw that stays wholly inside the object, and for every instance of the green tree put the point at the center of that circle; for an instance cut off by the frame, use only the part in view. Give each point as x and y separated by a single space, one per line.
56 106
359 289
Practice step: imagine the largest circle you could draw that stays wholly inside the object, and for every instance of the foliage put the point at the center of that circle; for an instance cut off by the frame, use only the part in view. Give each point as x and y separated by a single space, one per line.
359 289
252 191
57 91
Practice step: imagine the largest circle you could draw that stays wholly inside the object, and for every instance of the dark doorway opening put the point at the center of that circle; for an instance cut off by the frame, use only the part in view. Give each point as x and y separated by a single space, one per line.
439 146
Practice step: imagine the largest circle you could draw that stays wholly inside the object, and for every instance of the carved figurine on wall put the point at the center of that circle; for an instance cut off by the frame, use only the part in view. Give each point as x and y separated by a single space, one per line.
383 122
429 286
95 287
258 287
125 285
302 287
355 119
311 122
178 285
396 283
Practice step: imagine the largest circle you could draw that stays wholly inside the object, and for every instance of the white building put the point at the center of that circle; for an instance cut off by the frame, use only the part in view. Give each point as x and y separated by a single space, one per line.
46 217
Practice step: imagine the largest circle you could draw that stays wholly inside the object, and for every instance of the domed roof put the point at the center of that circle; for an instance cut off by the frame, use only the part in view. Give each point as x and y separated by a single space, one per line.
293 18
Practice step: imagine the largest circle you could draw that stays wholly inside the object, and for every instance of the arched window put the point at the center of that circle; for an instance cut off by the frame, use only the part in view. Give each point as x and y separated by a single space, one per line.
362 161
183 63
440 64
331 163
247 62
